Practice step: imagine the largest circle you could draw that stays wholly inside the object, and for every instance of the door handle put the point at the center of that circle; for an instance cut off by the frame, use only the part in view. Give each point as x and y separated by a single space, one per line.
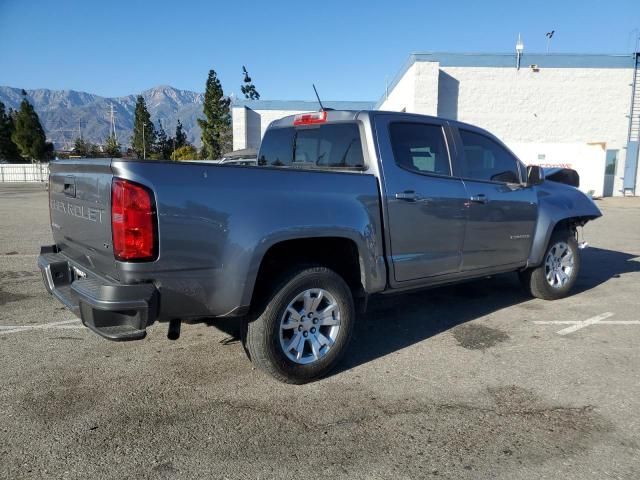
480 198
408 195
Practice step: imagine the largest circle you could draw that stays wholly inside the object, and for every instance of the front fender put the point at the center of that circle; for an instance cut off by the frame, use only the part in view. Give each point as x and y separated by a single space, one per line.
558 202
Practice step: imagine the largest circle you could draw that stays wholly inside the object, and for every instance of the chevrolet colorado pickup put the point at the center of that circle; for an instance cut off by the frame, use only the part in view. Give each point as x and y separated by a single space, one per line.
340 205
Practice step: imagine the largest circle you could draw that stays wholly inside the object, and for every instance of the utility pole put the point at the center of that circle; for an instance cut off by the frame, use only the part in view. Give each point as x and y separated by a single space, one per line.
112 120
144 143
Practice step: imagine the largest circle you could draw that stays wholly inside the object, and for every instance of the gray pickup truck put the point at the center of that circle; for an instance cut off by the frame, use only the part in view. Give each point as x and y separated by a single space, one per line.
340 205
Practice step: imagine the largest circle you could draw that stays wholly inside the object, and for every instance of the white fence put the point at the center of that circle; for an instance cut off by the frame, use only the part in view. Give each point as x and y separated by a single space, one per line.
37 172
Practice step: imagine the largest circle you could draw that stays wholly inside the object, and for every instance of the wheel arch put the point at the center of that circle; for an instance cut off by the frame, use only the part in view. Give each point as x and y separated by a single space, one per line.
340 252
559 206
544 231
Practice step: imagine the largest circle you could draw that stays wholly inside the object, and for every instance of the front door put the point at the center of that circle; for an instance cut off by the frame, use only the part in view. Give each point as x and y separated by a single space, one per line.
501 210
425 204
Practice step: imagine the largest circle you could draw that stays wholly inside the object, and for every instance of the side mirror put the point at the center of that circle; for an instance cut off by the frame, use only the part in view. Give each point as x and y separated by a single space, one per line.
535 175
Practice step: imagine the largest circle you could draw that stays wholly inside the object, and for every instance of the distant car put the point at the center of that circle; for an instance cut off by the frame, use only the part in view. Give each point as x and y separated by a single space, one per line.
239 161
247 156
340 205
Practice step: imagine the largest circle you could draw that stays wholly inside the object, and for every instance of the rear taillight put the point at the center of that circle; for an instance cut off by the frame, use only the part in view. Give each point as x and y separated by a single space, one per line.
310 118
133 222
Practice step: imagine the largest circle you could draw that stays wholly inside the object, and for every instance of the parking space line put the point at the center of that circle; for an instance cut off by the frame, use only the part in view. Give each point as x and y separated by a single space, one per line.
6 329
576 325
585 323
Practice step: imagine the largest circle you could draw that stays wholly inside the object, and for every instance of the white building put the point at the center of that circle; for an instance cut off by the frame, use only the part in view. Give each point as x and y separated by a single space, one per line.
570 110
252 117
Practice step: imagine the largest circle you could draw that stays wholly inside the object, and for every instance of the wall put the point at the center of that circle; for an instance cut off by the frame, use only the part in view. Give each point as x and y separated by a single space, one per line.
587 160
551 106
38 172
251 125
401 96
239 127
544 108
426 88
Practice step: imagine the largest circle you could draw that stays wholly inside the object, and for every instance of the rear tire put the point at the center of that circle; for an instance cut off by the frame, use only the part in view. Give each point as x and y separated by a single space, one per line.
557 274
304 326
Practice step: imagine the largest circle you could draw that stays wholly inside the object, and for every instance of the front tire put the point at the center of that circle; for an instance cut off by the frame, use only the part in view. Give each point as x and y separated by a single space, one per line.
304 327
558 273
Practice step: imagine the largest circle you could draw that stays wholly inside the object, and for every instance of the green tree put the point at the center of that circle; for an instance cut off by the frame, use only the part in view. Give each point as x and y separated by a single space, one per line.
164 145
112 147
144 134
94 150
216 127
186 152
248 88
181 137
28 133
80 147
8 149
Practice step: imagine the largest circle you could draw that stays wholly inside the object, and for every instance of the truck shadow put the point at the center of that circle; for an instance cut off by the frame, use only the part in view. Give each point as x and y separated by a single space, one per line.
398 321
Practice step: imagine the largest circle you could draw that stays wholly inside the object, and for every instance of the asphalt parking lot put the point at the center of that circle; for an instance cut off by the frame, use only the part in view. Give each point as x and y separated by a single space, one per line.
472 381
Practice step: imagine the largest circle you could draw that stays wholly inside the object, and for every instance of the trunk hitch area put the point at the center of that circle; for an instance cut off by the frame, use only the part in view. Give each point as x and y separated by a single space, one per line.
114 311
174 329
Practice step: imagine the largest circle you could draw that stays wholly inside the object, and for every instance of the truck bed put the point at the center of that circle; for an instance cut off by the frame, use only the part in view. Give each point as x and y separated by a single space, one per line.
215 223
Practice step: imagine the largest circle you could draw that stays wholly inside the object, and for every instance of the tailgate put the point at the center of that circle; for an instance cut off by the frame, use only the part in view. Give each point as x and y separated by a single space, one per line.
80 206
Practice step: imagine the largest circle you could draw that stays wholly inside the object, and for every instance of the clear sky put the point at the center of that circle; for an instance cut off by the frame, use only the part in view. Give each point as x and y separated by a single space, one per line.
348 48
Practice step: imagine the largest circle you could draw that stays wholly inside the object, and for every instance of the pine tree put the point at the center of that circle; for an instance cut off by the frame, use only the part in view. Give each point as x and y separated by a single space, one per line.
80 147
8 149
112 147
163 144
28 134
249 89
94 150
181 137
144 134
216 127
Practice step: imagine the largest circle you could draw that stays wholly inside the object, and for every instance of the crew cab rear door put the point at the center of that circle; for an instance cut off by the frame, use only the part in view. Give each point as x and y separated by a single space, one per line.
425 204
80 209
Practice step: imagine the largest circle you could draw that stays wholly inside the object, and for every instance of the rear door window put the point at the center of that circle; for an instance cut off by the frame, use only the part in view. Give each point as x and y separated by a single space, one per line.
327 146
420 147
486 160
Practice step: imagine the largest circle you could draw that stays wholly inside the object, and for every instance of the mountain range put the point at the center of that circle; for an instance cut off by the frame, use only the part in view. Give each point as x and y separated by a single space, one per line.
66 113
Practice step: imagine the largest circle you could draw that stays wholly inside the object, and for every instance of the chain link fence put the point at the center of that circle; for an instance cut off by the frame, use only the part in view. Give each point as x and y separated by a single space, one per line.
35 172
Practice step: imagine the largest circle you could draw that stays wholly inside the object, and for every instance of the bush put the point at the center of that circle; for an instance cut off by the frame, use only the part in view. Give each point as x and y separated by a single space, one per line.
188 152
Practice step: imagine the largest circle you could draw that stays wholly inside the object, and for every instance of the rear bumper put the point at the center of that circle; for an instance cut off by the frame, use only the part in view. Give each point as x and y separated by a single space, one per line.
112 310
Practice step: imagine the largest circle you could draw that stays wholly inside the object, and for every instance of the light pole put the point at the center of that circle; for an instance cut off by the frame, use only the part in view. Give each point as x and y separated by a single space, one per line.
144 144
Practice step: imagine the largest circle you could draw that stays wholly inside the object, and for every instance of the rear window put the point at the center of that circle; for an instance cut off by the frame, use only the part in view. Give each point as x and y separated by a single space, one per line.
420 147
335 145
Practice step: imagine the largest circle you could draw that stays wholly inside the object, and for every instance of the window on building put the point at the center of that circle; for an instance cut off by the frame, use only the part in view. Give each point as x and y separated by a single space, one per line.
484 159
611 162
327 146
420 147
